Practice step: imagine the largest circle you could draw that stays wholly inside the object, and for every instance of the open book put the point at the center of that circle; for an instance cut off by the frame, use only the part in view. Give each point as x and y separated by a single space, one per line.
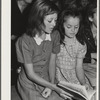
78 92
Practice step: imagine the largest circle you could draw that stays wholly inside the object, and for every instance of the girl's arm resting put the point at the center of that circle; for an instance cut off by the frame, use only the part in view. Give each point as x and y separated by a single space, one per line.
80 71
47 91
52 68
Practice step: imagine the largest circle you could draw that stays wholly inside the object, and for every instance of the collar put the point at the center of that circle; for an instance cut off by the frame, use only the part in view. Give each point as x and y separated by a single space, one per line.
39 40
70 42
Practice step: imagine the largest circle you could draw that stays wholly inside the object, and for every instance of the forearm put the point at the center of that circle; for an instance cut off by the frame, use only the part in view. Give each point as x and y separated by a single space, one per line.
80 75
52 73
37 79
52 68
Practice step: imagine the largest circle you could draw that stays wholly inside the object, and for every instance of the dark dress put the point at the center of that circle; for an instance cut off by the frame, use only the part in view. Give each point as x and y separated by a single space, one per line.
39 55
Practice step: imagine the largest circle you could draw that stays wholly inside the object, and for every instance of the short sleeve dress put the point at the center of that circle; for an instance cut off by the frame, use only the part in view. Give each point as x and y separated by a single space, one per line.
29 52
66 61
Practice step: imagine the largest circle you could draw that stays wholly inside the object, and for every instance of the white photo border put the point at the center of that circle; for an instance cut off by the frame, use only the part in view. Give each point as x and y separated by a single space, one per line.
6 50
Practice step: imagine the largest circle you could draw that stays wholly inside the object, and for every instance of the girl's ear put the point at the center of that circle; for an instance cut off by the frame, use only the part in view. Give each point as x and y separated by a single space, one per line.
90 19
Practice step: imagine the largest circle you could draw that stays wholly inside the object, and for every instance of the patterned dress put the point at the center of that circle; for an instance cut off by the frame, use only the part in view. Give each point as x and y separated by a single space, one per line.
28 52
66 61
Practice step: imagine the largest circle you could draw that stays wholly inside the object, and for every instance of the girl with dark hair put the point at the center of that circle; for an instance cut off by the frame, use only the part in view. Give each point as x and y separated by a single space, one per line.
72 49
36 51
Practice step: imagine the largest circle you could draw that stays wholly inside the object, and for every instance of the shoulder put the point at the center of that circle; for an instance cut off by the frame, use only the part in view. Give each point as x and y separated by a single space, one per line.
81 50
80 46
24 39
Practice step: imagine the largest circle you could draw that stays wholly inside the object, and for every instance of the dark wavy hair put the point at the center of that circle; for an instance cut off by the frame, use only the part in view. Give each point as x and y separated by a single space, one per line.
39 10
74 12
91 9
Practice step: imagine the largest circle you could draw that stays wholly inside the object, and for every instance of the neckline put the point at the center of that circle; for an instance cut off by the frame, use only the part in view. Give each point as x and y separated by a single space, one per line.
39 40
70 41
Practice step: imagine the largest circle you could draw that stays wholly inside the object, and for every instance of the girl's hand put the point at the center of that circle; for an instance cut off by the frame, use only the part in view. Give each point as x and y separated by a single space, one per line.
46 93
87 86
62 93
66 95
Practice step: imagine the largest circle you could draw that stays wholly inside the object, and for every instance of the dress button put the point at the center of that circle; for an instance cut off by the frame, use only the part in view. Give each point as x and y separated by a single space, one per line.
41 67
43 50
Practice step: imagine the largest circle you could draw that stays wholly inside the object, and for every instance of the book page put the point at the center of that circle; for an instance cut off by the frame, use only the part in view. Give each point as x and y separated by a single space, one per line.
91 94
76 95
76 87
79 89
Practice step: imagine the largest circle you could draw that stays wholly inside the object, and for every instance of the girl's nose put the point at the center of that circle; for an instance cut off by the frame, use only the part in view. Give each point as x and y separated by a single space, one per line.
53 23
73 29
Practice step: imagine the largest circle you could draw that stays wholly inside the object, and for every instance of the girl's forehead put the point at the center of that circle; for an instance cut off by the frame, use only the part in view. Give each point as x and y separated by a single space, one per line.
73 21
68 18
54 15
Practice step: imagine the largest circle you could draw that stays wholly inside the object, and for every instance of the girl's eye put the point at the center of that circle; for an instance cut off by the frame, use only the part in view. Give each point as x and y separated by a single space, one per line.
56 20
49 21
68 26
76 27
52 20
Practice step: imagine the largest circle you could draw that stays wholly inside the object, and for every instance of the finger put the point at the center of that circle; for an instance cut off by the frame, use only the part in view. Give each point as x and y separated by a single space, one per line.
67 94
88 88
92 65
46 94
66 97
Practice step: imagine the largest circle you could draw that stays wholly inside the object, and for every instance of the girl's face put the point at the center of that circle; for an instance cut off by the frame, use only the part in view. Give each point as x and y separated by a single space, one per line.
50 22
84 2
71 26
94 18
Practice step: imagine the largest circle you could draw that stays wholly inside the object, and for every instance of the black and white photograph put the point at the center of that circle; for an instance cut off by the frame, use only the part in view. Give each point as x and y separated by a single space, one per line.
50 50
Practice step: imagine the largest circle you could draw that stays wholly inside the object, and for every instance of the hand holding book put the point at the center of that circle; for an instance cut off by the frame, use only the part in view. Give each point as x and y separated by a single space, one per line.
77 91
66 95
87 86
